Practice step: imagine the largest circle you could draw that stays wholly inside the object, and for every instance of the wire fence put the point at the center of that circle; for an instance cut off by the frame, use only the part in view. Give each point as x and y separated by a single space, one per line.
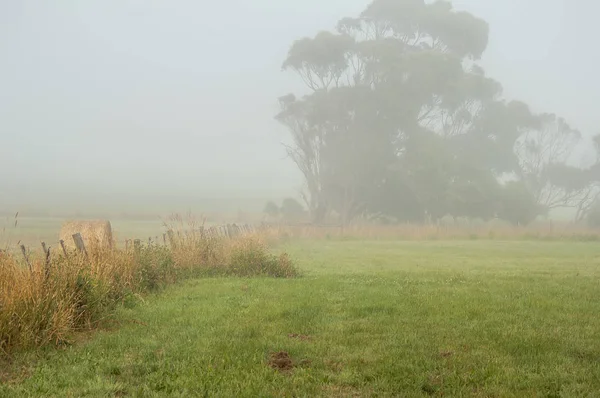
226 231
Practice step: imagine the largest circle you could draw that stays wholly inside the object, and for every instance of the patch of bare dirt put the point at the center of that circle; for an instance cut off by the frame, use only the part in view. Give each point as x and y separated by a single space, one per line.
281 361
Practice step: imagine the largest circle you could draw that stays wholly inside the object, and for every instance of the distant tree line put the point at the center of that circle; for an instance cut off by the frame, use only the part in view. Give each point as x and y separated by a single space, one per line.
401 121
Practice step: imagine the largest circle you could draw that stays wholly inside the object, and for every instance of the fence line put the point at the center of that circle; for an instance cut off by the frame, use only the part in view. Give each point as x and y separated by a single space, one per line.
226 231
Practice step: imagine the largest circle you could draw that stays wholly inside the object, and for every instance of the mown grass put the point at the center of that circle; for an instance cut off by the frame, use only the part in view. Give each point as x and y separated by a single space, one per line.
367 319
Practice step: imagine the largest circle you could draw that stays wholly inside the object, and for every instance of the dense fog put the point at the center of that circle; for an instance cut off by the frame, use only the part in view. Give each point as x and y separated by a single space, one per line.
154 106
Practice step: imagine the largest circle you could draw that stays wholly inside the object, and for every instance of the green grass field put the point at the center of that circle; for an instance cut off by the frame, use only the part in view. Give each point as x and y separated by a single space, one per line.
403 319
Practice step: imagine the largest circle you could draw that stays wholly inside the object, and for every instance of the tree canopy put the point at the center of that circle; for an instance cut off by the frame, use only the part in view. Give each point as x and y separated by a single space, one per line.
399 119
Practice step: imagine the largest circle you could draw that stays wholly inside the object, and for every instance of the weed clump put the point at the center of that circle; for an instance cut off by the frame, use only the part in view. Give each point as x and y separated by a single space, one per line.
250 257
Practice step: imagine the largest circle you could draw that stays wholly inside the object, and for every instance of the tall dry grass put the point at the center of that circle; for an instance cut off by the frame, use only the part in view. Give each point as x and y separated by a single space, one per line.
46 303
538 231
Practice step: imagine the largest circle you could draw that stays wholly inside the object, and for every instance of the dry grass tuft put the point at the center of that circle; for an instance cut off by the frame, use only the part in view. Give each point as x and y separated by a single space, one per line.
195 249
41 306
46 303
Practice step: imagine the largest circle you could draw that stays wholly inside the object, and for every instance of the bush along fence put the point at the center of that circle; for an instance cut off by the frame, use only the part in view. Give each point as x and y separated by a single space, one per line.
47 295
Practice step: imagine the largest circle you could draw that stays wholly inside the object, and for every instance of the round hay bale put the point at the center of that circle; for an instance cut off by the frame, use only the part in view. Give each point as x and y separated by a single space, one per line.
95 233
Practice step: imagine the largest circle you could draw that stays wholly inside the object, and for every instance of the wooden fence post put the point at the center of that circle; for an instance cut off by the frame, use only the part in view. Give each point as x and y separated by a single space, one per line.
64 249
79 243
137 246
47 260
24 251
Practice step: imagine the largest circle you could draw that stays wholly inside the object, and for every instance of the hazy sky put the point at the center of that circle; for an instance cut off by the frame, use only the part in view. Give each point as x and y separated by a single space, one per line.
139 97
